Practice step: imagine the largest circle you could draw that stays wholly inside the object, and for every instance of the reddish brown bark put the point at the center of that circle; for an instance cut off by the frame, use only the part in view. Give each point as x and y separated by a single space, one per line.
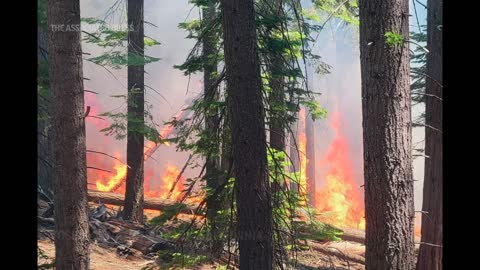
430 257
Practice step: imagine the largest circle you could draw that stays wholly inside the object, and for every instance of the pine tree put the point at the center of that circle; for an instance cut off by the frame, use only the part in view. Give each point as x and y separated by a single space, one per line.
133 207
70 170
244 89
386 107
430 256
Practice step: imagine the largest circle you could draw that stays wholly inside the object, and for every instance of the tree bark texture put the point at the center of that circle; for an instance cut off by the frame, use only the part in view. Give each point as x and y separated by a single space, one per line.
386 107
133 208
70 171
430 257
244 90
212 167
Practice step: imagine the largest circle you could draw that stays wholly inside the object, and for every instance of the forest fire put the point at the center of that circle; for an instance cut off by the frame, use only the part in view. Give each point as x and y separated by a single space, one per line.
339 201
302 149
112 177
120 172
172 185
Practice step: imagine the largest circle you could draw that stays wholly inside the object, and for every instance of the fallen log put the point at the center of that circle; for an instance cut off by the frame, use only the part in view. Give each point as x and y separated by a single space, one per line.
336 252
353 235
149 203
358 236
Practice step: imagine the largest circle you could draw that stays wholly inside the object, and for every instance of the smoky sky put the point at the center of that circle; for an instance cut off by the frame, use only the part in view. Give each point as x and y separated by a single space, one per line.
340 90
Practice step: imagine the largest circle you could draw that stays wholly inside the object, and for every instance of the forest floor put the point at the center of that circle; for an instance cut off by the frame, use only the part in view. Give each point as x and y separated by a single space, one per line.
110 233
107 258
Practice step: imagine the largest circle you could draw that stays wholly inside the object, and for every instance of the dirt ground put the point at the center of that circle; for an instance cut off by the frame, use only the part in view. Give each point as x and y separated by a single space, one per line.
107 258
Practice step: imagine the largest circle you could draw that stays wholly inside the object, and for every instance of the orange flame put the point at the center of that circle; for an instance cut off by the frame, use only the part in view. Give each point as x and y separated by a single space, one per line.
116 181
170 188
302 148
339 201
168 181
121 170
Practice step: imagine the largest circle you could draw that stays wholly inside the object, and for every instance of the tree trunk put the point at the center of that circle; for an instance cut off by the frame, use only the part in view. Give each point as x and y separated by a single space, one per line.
133 209
430 257
294 159
276 103
44 124
310 134
386 107
244 89
277 100
212 166
70 171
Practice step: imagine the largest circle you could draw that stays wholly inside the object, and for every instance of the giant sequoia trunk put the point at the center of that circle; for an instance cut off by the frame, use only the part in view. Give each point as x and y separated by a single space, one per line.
70 170
386 107
133 209
430 257
244 88
212 172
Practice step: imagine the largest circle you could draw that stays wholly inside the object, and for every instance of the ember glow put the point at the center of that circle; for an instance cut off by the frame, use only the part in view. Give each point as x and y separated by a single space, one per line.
339 200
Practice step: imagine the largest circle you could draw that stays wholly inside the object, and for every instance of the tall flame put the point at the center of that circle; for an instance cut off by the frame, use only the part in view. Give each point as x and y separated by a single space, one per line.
302 149
116 181
170 189
120 169
339 201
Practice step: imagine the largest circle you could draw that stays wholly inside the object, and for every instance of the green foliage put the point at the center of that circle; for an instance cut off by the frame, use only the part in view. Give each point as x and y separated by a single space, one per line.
117 59
178 260
418 70
193 64
346 10
194 27
168 213
118 128
115 56
111 39
149 42
393 38
318 231
316 111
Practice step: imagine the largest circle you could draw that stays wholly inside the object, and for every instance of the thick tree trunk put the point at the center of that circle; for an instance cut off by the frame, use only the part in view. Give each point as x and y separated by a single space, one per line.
212 166
430 257
70 171
310 134
133 209
244 88
386 105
